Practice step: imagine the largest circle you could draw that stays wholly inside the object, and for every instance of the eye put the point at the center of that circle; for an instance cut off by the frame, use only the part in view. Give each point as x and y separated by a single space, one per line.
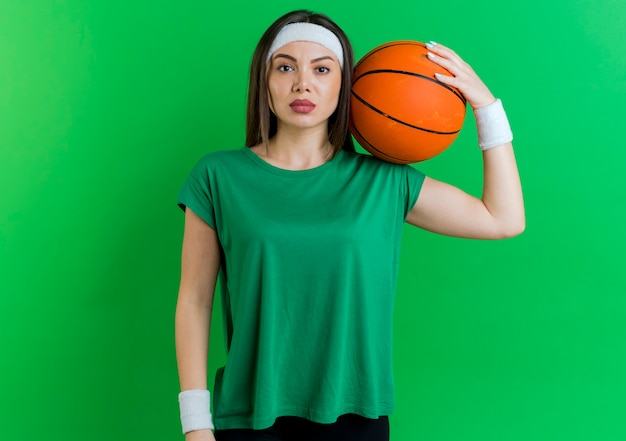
285 68
322 69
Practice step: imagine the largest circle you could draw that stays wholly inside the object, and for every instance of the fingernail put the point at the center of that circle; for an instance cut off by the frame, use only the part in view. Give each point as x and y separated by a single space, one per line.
430 55
431 44
438 76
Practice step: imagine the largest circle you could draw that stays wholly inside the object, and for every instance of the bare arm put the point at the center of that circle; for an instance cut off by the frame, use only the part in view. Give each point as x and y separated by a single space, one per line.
445 209
200 264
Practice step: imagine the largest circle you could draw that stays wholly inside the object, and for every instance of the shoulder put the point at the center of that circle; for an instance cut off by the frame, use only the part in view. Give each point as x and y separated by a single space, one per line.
371 163
215 163
221 156
218 159
375 173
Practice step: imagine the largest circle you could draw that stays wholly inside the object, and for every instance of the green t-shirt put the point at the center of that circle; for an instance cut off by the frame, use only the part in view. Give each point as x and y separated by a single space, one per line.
308 279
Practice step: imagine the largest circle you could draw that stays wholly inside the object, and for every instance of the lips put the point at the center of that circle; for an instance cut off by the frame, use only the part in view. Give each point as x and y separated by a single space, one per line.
302 106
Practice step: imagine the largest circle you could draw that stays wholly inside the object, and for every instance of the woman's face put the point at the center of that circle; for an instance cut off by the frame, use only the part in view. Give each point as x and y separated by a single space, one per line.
304 82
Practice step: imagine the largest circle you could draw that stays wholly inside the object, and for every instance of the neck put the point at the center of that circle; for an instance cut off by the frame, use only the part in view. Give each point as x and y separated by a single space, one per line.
299 150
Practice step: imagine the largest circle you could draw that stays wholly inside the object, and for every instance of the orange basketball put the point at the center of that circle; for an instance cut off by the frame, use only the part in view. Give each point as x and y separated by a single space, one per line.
399 111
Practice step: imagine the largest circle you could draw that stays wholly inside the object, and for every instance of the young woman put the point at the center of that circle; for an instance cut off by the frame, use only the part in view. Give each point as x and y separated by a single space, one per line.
305 234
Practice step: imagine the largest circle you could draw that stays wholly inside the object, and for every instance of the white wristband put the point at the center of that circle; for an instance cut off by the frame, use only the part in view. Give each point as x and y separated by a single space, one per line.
493 126
195 410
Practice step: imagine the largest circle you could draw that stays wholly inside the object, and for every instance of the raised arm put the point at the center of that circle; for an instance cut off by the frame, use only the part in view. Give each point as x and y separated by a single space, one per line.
444 209
200 264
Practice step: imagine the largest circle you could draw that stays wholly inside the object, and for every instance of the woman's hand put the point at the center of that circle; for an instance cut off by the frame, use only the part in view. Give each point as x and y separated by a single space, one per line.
463 76
200 435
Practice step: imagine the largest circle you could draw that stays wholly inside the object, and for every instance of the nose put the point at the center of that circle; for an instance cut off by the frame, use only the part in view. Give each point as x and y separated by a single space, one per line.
301 82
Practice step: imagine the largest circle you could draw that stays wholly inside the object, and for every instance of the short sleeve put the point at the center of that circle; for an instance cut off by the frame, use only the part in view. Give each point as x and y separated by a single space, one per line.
414 182
196 194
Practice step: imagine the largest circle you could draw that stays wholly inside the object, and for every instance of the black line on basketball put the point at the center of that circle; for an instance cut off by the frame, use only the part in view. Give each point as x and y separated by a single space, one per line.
400 121
355 131
413 74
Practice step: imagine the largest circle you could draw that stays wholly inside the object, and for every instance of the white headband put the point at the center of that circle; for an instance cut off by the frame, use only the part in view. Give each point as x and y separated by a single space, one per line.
307 32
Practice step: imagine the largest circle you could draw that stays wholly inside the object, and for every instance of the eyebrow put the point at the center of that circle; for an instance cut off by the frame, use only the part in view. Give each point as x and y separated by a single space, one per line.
315 60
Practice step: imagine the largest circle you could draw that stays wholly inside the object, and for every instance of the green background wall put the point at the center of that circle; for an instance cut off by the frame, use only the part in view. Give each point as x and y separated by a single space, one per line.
106 105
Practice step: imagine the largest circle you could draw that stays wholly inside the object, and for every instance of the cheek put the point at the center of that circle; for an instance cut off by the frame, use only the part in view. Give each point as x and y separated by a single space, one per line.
275 90
273 96
334 89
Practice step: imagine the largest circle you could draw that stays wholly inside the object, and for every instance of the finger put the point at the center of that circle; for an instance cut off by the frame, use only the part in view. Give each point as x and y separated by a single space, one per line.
446 79
450 55
438 59
457 68
445 64
442 50
448 65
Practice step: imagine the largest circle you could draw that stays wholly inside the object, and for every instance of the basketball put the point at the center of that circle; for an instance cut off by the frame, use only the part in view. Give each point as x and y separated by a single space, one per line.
399 111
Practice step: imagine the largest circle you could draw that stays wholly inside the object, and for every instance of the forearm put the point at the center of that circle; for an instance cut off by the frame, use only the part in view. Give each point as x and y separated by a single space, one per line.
193 322
502 191
200 265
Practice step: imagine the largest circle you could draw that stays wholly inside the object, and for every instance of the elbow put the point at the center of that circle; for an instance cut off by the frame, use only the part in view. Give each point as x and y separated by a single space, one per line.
513 228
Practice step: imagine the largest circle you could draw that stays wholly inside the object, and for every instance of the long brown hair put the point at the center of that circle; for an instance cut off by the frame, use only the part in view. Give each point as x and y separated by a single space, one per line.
261 123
